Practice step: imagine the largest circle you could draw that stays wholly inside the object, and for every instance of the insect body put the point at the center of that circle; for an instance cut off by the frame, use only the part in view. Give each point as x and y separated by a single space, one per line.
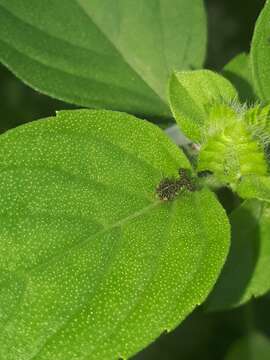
204 173
169 188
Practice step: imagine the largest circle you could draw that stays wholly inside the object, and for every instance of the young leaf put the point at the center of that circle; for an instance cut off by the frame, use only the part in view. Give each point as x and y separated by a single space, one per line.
99 53
93 264
191 93
254 187
260 54
246 272
252 347
233 147
238 72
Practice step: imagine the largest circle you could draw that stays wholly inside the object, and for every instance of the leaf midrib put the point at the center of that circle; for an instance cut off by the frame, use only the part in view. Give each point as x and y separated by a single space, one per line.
140 297
145 289
116 224
63 253
159 95
84 48
69 73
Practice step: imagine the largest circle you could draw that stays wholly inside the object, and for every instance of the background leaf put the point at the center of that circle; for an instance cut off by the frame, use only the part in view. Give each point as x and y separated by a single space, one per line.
92 263
94 54
206 335
246 272
260 54
238 72
20 104
228 34
252 347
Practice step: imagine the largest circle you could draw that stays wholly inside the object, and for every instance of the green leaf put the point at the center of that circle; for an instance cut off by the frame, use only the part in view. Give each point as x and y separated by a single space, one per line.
93 264
191 93
246 272
238 72
254 187
260 54
252 347
97 53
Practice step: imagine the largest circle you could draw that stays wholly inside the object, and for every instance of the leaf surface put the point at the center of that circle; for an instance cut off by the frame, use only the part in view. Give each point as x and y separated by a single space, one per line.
246 273
254 187
252 347
191 95
260 54
93 265
98 54
238 72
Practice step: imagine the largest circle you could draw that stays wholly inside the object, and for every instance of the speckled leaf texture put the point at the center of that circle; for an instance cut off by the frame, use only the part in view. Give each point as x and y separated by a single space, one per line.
246 273
100 53
260 54
93 264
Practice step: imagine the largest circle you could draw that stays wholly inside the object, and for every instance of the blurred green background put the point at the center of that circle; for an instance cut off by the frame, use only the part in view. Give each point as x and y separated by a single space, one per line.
201 336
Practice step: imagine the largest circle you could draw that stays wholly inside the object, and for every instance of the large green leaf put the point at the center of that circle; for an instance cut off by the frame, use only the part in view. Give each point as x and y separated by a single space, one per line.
93 264
247 270
251 347
238 72
260 54
99 53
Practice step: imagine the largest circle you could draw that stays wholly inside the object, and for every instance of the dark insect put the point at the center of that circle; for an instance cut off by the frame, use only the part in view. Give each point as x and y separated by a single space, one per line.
169 188
185 180
204 173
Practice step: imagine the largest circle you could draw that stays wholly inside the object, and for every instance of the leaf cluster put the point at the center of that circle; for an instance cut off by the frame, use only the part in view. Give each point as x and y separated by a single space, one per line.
111 234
